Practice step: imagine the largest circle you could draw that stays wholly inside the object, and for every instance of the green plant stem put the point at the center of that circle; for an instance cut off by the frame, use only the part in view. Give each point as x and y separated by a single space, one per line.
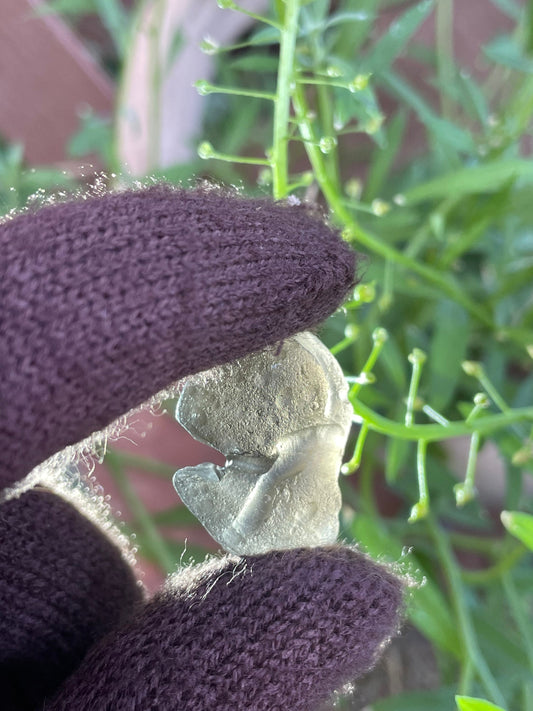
206 88
342 345
352 466
470 477
496 571
466 676
445 52
523 624
280 160
471 651
154 104
433 433
466 490
379 338
366 239
419 239
491 391
150 466
435 416
421 508
489 546
255 16
157 545
367 488
417 358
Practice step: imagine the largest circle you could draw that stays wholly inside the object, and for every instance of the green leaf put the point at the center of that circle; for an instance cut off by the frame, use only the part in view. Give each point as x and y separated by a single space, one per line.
95 135
469 703
520 525
488 177
509 7
446 133
383 158
65 7
175 516
428 608
174 49
255 62
503 50
115 19
435 699
340 18
472 96
362 105
394 40
396 457
448 350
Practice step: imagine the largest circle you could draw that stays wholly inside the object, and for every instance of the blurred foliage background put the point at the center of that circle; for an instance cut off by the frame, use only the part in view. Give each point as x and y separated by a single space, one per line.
425 164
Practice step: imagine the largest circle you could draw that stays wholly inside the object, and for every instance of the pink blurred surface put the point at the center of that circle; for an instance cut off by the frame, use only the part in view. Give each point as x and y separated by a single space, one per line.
161 438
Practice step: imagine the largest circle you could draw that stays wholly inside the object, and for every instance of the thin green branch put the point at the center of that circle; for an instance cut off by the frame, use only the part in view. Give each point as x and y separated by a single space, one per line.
445 53
157 545
421 509
352 466
433 433
471 651
353 232
417 359
204 88
230 5
379 338
206 151
523 624
150 466
466 490
280 160
495 572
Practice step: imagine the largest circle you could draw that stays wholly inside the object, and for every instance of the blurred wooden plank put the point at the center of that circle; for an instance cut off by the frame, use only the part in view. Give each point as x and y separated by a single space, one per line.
46 78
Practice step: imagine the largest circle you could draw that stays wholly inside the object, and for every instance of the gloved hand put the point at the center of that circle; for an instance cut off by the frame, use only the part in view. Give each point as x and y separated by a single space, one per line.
103 303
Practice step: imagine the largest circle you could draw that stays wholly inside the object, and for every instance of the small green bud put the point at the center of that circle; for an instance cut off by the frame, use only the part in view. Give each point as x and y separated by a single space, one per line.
333 71
522 456
463 494
353 188
399 200
209 46
380 207
359 83
351 331
364 293
417 356
327 144
349 468
373 124
365 378
481 400
419 511
380 336
203 87
206 150
473 368
265 177
226 4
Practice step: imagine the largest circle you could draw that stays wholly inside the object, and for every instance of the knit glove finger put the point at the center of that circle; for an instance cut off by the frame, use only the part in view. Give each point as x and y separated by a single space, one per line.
106 301
103 303
265 633
63 585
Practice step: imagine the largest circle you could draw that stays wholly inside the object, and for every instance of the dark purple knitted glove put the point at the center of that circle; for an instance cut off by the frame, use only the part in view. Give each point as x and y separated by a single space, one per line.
103 303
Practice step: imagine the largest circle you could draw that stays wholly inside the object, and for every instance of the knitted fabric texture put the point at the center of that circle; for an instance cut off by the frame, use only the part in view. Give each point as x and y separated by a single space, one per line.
63 585
265 633
106 301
